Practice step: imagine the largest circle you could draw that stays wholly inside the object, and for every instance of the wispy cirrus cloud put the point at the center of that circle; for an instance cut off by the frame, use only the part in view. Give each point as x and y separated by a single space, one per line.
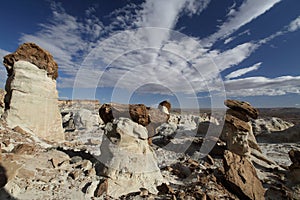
241 72
67 37
248 11
90 54
294 25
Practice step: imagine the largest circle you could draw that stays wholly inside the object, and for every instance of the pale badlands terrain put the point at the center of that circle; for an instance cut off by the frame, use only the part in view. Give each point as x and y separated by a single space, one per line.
37 169
87 150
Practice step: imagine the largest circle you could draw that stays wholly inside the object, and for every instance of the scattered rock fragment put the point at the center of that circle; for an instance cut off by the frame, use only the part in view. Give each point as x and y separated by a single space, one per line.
19 130
101 188
165 189
241 178
24 149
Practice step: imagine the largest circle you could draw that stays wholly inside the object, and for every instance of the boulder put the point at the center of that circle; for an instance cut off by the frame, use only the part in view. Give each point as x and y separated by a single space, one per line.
238 124
129 161
85 119
68 121
241 178
105 113
137 112
31 96
243 107
294 173
151 118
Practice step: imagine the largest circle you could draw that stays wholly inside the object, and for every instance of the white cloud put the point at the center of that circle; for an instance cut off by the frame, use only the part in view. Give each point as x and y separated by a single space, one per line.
165 14
256 86
195 7
247 12
241 72
67 38
136 57
234 37
294 25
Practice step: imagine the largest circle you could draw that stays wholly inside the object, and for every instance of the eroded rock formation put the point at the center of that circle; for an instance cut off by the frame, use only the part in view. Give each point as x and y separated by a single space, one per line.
237 129
31 95
130 163
268 125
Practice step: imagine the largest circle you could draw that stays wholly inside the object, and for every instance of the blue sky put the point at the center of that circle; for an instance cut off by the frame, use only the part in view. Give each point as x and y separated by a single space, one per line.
195 53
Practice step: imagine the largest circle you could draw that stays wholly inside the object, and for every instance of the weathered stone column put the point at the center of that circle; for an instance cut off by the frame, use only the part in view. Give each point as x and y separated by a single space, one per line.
130 162
31 99
237 130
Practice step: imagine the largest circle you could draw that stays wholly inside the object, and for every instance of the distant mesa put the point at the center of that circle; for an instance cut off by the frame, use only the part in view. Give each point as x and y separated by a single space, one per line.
31 99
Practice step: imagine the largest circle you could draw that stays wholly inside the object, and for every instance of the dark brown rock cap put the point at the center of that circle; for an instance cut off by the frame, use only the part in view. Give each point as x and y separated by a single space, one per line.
138 113
295 158
34 54
243 107
167 104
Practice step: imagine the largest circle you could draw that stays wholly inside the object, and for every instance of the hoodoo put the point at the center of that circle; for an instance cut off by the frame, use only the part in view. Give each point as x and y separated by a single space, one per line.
31 99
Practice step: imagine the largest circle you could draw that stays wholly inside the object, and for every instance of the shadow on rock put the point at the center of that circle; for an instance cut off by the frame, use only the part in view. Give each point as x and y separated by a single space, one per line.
3 180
